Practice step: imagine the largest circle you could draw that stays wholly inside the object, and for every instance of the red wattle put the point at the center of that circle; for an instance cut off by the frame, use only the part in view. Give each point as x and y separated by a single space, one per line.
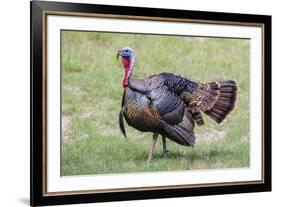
125 83
126 64
126 77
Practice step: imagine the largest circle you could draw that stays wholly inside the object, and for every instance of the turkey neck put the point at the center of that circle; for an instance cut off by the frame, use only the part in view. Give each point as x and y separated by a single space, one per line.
128 64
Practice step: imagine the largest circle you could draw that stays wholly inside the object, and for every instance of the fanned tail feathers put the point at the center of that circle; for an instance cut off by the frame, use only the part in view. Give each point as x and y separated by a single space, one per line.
223 95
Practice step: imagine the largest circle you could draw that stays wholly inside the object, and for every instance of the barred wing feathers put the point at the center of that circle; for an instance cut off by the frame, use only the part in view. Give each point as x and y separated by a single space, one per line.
148 105
216 99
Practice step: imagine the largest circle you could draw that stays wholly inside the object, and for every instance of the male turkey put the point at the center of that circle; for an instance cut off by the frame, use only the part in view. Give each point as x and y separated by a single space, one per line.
168 104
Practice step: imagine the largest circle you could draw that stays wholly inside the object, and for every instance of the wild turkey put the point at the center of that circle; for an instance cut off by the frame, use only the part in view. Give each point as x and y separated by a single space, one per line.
168 104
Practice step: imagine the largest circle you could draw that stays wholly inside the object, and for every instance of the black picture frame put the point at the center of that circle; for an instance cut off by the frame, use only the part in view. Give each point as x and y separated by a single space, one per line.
39 10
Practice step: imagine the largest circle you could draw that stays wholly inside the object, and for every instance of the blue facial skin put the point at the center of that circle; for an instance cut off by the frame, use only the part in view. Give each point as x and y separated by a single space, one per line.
126 52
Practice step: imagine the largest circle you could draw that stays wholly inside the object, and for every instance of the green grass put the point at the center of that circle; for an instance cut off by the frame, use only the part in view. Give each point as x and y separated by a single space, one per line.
92 91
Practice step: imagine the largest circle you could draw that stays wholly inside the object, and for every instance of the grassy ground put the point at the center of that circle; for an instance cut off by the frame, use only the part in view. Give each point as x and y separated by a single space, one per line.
92 91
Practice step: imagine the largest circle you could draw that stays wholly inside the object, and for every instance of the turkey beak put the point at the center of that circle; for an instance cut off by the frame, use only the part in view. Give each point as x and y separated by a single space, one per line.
118 54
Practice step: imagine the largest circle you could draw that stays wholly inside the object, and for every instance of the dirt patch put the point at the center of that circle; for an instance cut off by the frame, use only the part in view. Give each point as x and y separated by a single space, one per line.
66 120
211 135
73 89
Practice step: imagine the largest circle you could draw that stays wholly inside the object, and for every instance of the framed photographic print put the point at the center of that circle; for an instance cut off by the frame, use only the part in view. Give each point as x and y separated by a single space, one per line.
139 103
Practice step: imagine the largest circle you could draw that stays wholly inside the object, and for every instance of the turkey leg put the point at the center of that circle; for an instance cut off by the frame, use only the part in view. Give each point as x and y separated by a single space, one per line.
154 139
165 151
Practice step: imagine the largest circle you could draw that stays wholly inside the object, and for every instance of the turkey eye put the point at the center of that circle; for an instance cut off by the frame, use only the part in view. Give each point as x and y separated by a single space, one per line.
126 51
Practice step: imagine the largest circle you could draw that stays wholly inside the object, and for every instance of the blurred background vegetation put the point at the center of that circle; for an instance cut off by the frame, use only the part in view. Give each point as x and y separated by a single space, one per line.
91 96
